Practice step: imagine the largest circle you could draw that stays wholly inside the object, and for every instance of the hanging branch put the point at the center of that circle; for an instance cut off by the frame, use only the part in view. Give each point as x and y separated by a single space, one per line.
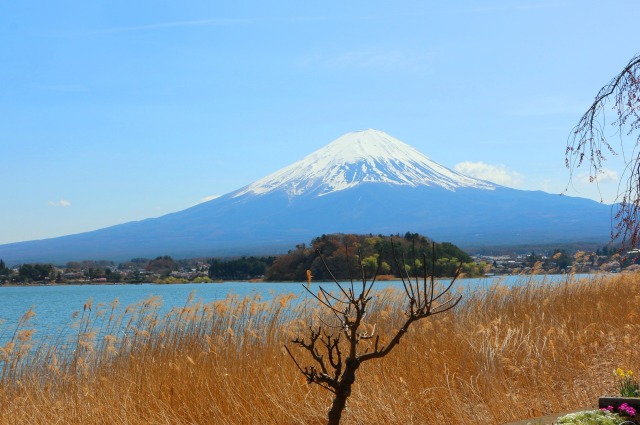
589 144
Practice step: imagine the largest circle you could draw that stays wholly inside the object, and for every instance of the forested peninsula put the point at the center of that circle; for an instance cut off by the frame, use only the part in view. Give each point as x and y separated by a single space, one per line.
376 252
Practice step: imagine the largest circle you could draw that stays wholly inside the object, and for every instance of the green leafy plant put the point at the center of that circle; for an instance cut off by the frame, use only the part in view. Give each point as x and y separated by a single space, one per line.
628 385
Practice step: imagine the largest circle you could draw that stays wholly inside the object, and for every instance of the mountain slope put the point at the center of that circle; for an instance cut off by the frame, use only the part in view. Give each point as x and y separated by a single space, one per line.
360 157
364 182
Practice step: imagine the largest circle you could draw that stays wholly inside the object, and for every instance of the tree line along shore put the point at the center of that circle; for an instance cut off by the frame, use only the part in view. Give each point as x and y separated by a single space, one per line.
442 259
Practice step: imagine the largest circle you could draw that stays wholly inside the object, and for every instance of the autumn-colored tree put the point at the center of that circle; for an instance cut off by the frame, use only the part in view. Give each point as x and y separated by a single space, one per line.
294 264
161 265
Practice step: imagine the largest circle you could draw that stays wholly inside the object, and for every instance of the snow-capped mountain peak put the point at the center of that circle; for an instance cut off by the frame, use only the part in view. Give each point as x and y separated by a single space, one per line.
368 156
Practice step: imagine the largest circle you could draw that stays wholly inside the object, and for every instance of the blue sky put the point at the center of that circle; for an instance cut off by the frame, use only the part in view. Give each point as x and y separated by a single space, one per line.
118 111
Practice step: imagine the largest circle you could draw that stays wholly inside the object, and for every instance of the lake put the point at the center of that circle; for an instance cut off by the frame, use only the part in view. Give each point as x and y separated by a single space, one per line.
54 305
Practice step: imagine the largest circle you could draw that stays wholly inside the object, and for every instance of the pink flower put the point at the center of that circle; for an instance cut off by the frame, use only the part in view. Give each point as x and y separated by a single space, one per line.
625 408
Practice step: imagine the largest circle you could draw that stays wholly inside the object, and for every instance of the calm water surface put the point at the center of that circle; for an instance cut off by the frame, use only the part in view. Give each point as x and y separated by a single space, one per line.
54 305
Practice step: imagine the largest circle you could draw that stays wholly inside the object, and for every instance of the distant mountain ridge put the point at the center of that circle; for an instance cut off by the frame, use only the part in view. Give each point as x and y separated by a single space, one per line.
363 182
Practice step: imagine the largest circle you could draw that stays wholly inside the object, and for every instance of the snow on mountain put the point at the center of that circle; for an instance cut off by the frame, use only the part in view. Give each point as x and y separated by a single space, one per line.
361 157
412 193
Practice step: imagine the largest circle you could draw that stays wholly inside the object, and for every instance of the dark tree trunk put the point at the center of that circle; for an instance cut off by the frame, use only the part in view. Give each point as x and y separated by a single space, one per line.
339 402
343 391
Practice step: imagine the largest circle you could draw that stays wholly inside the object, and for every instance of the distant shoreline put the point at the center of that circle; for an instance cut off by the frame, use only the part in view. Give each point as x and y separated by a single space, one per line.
382 278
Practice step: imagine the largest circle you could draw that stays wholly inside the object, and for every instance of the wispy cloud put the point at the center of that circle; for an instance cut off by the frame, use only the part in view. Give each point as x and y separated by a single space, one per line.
499 174
604 188
61 203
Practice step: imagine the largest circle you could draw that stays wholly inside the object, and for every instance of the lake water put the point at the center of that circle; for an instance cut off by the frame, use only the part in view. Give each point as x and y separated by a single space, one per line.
54 305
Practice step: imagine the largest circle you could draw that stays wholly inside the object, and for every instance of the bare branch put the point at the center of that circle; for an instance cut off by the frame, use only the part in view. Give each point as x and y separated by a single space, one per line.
448 288
395 259
373 279
324 263
334 361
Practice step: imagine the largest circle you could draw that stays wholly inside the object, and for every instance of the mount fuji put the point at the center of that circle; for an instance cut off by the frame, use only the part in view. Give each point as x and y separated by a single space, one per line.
358 158
362 182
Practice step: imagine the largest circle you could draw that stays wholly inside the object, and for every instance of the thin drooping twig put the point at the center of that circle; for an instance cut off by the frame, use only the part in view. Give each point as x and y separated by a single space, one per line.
589 144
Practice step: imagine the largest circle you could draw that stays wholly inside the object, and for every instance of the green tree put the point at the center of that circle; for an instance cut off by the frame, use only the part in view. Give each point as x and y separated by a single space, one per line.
136 277
370 264
5 272
94 273
35 272
113 276
239 268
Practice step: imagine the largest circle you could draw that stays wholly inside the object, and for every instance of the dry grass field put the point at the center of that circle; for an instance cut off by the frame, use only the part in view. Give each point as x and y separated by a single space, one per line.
502 355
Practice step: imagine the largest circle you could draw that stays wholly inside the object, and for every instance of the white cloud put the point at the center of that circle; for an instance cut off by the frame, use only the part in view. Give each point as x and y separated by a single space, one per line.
604 176
499 174
61 203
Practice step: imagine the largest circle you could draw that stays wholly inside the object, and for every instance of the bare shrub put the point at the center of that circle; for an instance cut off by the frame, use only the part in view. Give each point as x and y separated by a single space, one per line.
339 346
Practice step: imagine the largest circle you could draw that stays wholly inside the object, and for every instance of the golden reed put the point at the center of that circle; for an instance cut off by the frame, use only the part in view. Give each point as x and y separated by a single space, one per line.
503 354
